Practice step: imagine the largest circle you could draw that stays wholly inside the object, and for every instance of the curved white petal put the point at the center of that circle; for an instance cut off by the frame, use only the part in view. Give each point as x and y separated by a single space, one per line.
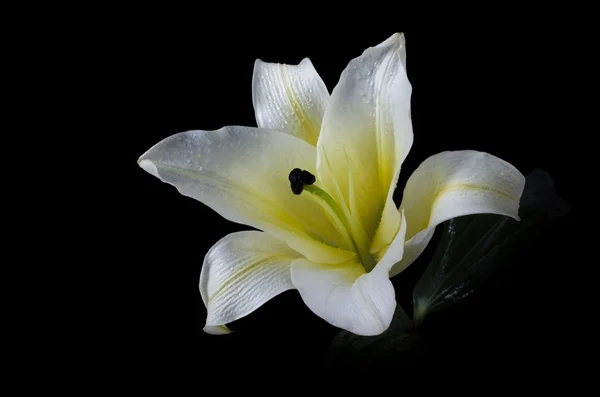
242 173
347 297
241 272
367 132
413 248
289 98
452 184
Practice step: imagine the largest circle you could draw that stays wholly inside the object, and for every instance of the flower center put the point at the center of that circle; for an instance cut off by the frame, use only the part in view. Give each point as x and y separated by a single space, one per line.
302 180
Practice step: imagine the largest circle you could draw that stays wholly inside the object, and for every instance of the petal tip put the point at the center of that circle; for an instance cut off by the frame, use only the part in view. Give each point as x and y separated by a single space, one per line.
395 39
399 36
305 62
148 166
217 330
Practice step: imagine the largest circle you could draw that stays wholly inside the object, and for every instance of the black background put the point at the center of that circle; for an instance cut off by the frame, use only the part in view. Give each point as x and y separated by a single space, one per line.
481 88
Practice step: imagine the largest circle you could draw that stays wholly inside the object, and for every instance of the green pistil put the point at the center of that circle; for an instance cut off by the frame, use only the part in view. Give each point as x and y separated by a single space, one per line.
359 245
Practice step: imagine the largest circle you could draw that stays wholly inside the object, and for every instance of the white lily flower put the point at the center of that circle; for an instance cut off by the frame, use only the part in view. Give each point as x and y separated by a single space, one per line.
317 177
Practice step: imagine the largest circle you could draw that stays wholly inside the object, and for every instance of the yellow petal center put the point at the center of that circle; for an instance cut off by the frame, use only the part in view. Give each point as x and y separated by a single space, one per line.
348 226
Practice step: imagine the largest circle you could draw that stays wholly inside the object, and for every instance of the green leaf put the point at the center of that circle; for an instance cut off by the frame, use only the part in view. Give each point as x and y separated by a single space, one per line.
399 345
472 248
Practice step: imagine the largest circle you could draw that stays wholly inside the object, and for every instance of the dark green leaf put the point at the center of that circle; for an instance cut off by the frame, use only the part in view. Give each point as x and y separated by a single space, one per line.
473 247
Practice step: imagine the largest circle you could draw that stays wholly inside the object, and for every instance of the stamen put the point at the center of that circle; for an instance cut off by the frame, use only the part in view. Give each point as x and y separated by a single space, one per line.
300 178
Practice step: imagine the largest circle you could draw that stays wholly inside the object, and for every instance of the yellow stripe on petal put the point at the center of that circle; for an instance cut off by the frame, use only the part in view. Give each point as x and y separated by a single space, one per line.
367 129
310 126
289 98
240 273
452 184
242 173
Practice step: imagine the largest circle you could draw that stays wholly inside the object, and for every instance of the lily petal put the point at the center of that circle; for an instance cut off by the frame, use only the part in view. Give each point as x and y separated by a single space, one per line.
367 131
346 296
242 173
452 184
289 98
241 272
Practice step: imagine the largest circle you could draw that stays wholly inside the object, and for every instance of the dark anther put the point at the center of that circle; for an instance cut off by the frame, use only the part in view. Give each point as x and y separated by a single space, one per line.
297 188
294 174
307 178
300 178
